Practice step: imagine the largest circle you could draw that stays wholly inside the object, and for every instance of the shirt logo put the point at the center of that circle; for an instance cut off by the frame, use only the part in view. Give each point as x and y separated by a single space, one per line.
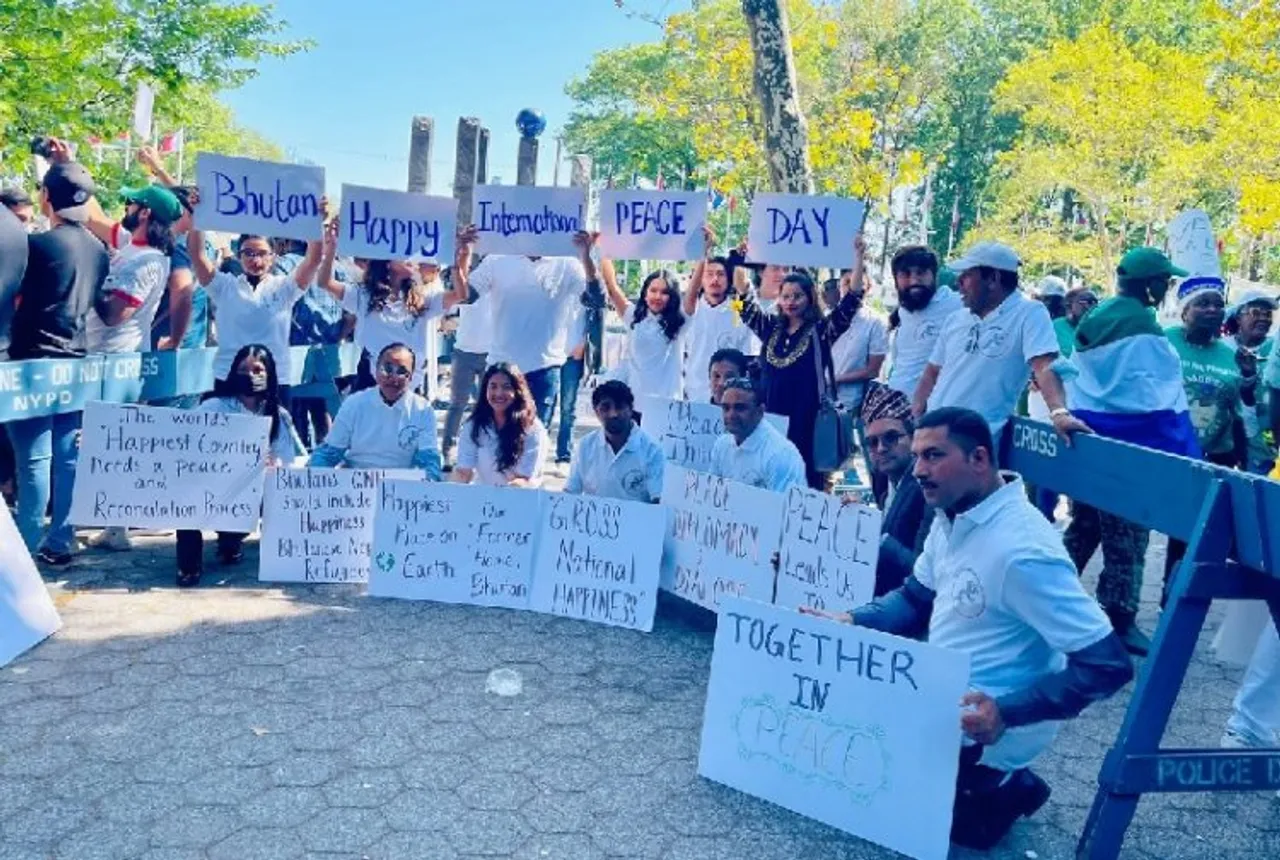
927 331
409 437
991 342
633 483
967 594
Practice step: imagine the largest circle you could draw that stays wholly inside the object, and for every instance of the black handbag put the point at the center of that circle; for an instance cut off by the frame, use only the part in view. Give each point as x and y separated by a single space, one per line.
833 425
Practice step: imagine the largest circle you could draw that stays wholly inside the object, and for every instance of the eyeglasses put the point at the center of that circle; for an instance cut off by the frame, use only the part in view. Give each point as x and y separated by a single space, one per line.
395 370
884 440
254 254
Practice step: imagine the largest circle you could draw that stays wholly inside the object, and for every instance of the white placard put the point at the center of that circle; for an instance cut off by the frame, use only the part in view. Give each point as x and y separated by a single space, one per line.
27 614
827 558
526 219
854 728
265 198
317 524
144 101
803 230
157 468
652 225
1192 246
598 560
379 224
454 543
686 430
721 537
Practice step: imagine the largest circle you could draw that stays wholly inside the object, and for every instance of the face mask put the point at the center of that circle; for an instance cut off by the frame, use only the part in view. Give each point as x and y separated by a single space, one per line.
248 385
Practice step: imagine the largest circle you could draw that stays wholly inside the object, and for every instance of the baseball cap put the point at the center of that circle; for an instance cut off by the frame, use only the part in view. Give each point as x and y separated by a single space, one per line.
184 193
1250 296
68 186
1051 285
1139 264
987 255
429 261
163 203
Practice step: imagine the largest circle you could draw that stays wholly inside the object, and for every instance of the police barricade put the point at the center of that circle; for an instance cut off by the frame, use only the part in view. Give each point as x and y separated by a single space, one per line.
1231 524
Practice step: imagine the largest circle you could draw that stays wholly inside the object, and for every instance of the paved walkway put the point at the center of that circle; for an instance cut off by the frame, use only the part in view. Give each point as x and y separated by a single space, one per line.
239 722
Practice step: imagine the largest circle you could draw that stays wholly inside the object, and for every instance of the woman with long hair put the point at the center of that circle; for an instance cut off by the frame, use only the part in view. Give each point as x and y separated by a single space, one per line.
251 388
502 444
654 356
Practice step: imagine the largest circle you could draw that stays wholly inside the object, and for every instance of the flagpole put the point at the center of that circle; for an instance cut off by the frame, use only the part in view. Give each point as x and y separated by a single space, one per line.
182 148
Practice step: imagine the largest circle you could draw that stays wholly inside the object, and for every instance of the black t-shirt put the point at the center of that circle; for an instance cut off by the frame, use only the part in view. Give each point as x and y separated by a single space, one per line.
65 269
13 264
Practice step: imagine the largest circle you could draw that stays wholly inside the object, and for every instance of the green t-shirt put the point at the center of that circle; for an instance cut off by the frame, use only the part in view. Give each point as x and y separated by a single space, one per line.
1066 333
1212 380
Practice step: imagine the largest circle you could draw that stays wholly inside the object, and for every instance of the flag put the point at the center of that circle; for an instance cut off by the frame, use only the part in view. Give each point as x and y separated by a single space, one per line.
715 198
171 142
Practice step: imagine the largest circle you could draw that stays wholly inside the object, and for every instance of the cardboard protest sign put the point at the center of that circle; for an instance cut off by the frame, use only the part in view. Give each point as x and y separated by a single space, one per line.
1192 246
598 560
721 536
150 467
803 230
652 225
317 524
857 729
827 558
27 614
144 101
686 430
241 195
526 219
380 224
454 543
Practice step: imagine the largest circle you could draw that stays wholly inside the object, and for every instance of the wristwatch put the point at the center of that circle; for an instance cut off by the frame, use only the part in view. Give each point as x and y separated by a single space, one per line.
1061 410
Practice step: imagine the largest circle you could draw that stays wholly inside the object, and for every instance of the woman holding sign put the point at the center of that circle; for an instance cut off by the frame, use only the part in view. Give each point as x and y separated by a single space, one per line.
252 388
502 444
655 348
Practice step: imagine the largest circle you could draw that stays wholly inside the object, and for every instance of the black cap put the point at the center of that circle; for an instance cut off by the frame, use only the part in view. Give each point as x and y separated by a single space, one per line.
68 187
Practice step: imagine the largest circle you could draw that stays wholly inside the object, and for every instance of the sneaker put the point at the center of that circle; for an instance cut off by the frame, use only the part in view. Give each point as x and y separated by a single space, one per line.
115 539
1126 627
446 460
53 559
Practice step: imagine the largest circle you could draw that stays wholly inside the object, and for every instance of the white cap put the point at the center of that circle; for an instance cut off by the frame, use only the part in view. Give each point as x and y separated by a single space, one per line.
429 261
1051 285
1249 296
989 255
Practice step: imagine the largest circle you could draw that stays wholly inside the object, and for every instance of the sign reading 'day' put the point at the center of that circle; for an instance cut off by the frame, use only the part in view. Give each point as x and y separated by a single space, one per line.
854 728
241 195
687 430
380 224
27 614
652 225
721 536
526 219
598 560
150 467
454 543
802 230
828 554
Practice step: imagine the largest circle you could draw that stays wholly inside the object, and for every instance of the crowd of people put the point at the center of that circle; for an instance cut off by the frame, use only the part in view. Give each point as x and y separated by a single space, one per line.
969 556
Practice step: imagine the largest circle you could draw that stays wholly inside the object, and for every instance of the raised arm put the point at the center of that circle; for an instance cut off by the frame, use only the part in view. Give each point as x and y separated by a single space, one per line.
461 275
609 276
928 379
694 288
150 159
584 241
201 265
305 274
324 277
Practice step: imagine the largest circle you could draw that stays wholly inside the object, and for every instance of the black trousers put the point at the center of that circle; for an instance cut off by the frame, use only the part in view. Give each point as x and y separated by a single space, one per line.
191 548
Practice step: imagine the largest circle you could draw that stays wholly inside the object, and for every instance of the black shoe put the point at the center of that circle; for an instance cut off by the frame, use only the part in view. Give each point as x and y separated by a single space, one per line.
53 559
227 559
188 579
989 821
1126 627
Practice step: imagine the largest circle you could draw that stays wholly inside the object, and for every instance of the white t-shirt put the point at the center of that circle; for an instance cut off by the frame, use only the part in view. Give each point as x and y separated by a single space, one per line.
653 363
475 327
378 435
483 458
710 329
139 275
285 447
247 315
393 323
634 473
915 337
765 459
1009 597
866 336
985 362
533 304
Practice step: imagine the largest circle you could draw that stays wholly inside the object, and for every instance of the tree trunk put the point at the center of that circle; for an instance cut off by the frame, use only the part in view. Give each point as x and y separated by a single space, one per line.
786 135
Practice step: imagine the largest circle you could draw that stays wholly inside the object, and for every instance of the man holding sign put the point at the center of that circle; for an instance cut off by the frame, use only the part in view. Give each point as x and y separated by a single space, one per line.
751 451
619 461
994 581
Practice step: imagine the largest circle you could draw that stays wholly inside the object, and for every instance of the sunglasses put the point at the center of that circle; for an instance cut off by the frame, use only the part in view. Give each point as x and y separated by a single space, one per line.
394 370
884 440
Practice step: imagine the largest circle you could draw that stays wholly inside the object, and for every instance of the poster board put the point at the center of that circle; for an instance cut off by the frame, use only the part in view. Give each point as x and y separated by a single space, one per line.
527 219
27 614
652 225
687 431
380 224
828 552
265 198
803 230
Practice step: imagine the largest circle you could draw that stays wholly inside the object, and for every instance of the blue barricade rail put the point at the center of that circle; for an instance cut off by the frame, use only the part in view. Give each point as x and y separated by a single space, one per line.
1231 524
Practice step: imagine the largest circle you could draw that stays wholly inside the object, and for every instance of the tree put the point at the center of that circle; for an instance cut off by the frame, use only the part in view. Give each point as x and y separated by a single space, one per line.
786 134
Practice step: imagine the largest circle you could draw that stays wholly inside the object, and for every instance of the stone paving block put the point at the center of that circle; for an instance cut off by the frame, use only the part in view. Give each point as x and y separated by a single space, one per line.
417 810
559 846
284 806
342 830
415 845
194 827
370 788
258 843
305 769
436 772
103 840
488 833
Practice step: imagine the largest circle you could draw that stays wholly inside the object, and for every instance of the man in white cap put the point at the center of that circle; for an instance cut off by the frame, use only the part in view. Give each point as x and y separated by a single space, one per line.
1051 292
982 356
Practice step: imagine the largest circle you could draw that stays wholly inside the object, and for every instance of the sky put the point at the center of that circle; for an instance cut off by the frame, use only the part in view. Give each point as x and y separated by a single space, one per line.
348 103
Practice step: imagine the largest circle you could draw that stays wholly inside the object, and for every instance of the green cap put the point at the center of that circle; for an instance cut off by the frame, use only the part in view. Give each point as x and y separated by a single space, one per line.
162 202
1141 264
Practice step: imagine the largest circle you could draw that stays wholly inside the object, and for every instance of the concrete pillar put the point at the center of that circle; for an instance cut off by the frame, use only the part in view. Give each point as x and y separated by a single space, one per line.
421 138
464 171
580 177
527 162
482 160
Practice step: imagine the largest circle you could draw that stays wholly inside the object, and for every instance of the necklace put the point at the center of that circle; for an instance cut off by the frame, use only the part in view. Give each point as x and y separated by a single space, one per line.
792 346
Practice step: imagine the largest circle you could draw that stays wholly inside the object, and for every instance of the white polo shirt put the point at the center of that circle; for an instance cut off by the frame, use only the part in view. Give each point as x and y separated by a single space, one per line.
985 361
710 329
378 435
483 458
246 315
393 323
532 305
915 337
1009 597
765 459
866 336
653 363
475 327
634 473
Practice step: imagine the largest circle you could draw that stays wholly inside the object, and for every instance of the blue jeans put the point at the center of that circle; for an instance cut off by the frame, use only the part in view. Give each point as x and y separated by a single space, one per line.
544 385
570 379
45 448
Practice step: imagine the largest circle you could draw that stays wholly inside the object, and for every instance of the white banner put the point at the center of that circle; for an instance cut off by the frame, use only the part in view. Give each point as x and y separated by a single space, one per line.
526 219
721 537
265 198
144 101
1192 246
151 467
686 430
828 554
317 524
379 224
652 225
597 560
27 614
454 543
802 230
857 729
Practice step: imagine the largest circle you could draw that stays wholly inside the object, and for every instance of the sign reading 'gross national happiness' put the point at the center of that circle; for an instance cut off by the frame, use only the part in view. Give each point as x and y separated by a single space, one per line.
241 195
526 219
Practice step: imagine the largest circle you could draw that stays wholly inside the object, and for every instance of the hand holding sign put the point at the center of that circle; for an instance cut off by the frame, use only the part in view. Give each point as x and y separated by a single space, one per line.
804 230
